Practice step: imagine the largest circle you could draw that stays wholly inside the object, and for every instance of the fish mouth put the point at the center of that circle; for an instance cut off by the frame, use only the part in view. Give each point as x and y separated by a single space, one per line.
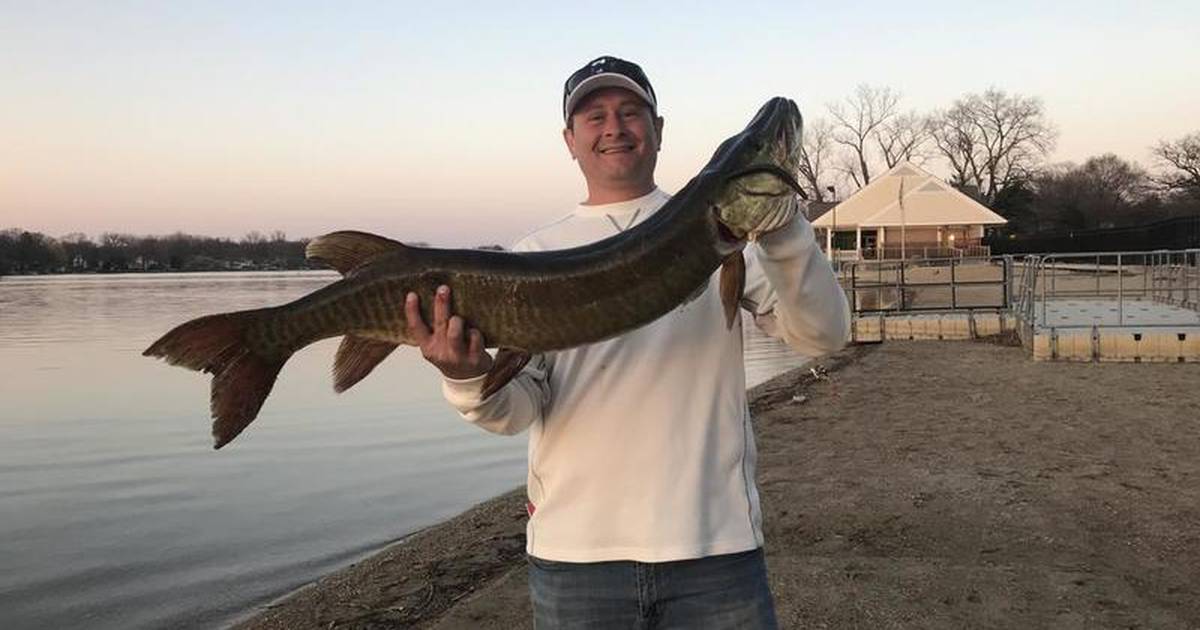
725 235
779 126
774 170
758 176
728 240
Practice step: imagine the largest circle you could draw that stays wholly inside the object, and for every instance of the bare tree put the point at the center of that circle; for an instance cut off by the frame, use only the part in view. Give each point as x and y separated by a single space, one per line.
1181 158
992 140
115 240
903 138
953 136
856 121
815 153
847 165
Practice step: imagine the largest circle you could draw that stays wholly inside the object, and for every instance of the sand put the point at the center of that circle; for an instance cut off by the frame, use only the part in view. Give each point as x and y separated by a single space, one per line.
921 485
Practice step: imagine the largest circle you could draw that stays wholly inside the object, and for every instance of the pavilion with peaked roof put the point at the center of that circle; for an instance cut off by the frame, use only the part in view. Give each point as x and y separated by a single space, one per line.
905 213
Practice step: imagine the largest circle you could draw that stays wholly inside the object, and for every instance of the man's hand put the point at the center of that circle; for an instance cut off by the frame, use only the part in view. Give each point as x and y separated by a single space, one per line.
451 347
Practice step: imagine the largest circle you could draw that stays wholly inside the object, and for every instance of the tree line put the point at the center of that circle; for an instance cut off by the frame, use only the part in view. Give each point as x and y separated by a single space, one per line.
25 252
22 251
995 145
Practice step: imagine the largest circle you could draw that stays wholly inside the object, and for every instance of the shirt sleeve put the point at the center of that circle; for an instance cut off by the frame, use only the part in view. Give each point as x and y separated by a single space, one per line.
787 275
513 407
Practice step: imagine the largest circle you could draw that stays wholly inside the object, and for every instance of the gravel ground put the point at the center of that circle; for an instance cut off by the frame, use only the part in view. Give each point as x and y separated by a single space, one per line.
920 485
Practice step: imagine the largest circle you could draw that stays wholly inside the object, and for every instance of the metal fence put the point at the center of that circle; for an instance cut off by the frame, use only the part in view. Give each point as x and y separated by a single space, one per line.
1166 277
1138 305
1026 285
924 252
935 284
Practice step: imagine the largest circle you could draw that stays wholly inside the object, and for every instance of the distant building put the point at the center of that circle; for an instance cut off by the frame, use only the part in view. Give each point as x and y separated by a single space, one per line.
815 209
906 212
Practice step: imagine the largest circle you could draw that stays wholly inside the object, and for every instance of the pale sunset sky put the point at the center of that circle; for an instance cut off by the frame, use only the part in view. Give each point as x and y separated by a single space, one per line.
441 122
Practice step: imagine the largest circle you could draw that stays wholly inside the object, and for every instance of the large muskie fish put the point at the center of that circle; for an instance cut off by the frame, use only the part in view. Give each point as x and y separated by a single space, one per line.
523 303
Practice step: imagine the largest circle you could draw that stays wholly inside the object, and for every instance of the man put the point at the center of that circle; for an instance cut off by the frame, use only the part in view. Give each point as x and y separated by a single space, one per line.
642 503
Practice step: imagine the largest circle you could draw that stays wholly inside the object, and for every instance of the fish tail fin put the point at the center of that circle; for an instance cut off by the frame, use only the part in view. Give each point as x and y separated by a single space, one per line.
242 379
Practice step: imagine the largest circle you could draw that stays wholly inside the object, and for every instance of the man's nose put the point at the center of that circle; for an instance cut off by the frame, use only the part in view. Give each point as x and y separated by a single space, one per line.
614 125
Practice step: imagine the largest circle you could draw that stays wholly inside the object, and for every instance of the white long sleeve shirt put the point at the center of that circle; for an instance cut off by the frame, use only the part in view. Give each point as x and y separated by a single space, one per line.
640 447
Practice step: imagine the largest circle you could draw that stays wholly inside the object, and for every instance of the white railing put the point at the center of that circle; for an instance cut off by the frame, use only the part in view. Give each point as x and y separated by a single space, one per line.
1027 286
1169 277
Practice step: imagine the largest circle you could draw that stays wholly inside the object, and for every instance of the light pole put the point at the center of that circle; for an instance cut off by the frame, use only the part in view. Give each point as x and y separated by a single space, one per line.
903 224
833 227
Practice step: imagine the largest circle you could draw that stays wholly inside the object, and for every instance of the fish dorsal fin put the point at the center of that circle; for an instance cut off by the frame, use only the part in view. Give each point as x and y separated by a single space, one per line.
348 250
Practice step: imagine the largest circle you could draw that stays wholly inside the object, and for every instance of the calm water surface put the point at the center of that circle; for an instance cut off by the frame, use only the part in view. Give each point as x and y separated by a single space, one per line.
116 513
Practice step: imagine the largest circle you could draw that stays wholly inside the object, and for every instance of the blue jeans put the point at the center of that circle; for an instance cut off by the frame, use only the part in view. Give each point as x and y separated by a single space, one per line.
718 592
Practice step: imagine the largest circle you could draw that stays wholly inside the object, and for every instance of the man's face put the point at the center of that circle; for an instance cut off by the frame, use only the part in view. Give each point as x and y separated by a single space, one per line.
615 138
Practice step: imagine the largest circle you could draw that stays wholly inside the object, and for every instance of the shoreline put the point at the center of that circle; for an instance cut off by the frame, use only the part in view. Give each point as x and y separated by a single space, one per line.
482 542
921 484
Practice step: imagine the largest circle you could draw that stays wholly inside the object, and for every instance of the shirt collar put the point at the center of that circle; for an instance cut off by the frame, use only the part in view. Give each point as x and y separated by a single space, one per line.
646 203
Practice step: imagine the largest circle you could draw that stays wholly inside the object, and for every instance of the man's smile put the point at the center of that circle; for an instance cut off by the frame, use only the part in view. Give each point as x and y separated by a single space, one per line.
620 148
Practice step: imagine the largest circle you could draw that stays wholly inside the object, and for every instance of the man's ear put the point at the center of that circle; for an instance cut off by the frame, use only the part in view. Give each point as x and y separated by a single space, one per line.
658 128
569 138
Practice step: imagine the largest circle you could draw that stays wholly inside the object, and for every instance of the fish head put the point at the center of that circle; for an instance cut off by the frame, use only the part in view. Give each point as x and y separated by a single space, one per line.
756 189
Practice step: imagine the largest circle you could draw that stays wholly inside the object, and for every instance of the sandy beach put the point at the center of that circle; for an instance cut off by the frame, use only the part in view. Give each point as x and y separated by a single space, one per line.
920 485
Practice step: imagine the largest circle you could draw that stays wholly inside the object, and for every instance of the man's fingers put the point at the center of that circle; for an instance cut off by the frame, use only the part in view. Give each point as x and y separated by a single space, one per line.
454 335
448 344
474 342
412 317
441 308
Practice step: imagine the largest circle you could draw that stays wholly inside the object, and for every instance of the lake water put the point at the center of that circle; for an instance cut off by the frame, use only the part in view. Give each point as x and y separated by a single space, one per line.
116 513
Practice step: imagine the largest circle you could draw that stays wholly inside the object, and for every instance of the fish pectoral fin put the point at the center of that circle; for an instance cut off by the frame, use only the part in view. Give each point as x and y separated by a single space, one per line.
356 357
733 283
505 366
347 250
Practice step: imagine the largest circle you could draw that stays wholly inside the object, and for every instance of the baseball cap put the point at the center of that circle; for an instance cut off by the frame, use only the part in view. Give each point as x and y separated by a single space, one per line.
603 72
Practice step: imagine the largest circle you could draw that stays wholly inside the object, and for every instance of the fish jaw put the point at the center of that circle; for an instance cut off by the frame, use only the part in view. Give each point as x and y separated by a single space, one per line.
759 191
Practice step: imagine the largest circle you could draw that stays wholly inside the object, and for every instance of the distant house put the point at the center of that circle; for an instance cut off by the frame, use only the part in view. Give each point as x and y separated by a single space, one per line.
906 212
